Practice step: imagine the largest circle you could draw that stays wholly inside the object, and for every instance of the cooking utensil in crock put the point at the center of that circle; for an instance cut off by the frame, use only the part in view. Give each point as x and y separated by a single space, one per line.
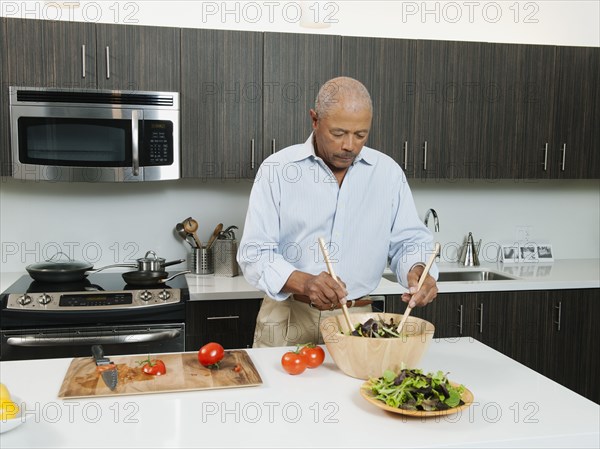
149 278
214 235
183 234
191 226
65 271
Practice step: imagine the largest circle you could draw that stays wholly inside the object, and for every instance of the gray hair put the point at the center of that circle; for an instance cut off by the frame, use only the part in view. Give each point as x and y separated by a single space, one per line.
340 90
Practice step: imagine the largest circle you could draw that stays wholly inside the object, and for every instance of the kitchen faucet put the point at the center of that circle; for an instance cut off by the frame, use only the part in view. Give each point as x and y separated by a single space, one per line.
436 221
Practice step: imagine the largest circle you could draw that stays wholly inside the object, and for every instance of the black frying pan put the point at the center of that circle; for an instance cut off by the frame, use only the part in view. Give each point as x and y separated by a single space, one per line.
149 278
66 271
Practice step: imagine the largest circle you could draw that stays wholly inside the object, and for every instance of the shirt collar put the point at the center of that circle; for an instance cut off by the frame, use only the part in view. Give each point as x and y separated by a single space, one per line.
307 150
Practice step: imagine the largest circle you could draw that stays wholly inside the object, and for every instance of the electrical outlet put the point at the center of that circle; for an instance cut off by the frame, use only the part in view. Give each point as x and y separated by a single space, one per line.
523 233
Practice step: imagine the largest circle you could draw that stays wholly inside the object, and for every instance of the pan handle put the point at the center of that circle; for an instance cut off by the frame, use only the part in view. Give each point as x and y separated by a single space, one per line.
173 262
124 265
175 275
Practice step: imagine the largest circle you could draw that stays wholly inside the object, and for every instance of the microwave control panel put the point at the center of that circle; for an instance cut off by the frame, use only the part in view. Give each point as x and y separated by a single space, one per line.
158 142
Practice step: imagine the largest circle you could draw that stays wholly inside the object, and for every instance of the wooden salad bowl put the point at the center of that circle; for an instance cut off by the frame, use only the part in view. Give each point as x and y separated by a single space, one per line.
364 357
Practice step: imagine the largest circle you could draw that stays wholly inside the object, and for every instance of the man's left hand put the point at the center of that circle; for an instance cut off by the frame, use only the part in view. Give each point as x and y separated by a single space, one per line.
428 290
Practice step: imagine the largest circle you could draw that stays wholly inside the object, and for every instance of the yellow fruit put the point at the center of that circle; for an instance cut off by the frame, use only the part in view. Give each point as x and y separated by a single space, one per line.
4 394
8 410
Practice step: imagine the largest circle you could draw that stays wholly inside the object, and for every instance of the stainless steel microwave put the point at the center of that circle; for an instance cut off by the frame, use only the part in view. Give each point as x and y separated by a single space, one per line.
93 135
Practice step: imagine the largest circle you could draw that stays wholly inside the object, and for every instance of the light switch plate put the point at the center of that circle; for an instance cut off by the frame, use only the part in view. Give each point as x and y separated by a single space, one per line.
523 233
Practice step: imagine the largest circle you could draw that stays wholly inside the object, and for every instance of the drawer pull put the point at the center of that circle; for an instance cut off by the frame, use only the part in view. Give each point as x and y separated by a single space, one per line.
545 163
558 308
83 61
230 317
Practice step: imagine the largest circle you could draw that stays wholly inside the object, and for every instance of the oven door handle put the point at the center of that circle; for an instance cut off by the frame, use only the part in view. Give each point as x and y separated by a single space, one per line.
39 340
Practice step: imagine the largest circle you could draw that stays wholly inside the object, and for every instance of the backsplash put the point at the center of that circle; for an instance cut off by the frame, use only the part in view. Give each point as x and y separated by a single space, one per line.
110 223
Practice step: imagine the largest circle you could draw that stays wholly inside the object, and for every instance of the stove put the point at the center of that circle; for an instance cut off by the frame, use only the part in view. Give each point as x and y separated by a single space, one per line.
42 319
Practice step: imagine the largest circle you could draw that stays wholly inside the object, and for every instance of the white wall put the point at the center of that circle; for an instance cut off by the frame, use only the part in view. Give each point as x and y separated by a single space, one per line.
108 223
557 22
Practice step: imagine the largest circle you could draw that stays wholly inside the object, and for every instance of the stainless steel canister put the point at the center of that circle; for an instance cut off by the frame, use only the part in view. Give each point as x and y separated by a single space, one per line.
225 251
202 261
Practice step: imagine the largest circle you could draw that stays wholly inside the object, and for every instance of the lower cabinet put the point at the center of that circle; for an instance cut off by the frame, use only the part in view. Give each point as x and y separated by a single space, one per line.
552 332
228 322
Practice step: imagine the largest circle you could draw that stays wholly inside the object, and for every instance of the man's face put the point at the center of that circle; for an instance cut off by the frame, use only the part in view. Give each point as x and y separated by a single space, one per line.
341 135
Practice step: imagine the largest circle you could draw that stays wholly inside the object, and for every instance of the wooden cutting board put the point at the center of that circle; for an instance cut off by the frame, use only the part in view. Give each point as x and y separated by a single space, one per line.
184 373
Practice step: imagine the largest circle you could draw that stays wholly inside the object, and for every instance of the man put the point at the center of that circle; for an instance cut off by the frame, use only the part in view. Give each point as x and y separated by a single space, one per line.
355 198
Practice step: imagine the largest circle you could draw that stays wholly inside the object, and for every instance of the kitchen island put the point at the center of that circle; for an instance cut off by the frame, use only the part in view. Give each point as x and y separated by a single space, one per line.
513 407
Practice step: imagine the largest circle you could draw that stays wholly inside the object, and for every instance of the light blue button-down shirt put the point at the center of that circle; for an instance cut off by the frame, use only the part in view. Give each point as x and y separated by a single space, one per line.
368 221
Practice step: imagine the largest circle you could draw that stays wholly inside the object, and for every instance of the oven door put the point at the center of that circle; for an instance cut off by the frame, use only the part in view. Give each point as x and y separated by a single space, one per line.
25 344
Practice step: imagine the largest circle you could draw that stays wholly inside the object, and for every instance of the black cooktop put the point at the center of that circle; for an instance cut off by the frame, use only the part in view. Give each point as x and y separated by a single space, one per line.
108 282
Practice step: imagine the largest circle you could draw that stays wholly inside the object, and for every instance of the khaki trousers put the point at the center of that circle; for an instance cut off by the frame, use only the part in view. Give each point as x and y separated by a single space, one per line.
291 322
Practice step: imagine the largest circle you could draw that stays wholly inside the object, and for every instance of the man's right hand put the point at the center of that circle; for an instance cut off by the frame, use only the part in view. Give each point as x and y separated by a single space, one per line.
324 292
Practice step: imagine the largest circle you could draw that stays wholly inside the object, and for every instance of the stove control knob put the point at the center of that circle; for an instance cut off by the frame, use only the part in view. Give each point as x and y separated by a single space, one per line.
24 300
164 295
145 295
44 299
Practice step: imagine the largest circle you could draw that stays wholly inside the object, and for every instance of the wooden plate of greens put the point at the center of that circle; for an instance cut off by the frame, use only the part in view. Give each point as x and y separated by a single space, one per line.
413 393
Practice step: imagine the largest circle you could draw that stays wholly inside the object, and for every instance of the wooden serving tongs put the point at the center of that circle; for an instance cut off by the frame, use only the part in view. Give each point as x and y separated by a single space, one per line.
332 274
421 281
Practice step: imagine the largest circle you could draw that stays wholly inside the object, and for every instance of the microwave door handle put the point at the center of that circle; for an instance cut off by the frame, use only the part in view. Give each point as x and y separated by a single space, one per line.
135 141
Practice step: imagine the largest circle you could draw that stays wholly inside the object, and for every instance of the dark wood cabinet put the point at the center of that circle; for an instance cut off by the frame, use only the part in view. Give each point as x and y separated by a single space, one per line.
43 53
443 110
448 107
294 68
386 67
575 121
138 57
571 340
553 332
221 107
228 322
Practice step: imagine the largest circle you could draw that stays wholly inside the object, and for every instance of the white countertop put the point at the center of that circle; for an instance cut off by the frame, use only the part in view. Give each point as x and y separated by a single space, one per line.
513 407
560 274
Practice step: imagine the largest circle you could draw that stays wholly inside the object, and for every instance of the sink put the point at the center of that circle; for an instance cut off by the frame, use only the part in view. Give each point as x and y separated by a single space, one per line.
463 276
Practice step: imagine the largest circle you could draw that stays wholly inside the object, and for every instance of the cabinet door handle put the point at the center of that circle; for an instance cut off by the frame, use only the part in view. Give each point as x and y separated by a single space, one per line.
558 308
405 157
230 317
460 320
545 163
272 146
425 156
83 61
252 154
107 63
480 324
564 154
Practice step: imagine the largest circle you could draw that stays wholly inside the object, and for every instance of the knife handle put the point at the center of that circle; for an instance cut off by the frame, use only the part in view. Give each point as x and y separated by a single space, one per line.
98 352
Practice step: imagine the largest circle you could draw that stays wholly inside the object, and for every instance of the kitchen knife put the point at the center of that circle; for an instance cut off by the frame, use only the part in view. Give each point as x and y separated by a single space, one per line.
107 369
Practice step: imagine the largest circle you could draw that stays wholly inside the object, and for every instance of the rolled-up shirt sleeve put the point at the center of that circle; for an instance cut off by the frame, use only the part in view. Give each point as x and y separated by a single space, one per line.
411 242
258 254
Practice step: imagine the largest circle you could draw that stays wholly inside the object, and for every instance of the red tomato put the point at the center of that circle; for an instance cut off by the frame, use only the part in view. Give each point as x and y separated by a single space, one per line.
155 367
211 354
314 355
294 362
